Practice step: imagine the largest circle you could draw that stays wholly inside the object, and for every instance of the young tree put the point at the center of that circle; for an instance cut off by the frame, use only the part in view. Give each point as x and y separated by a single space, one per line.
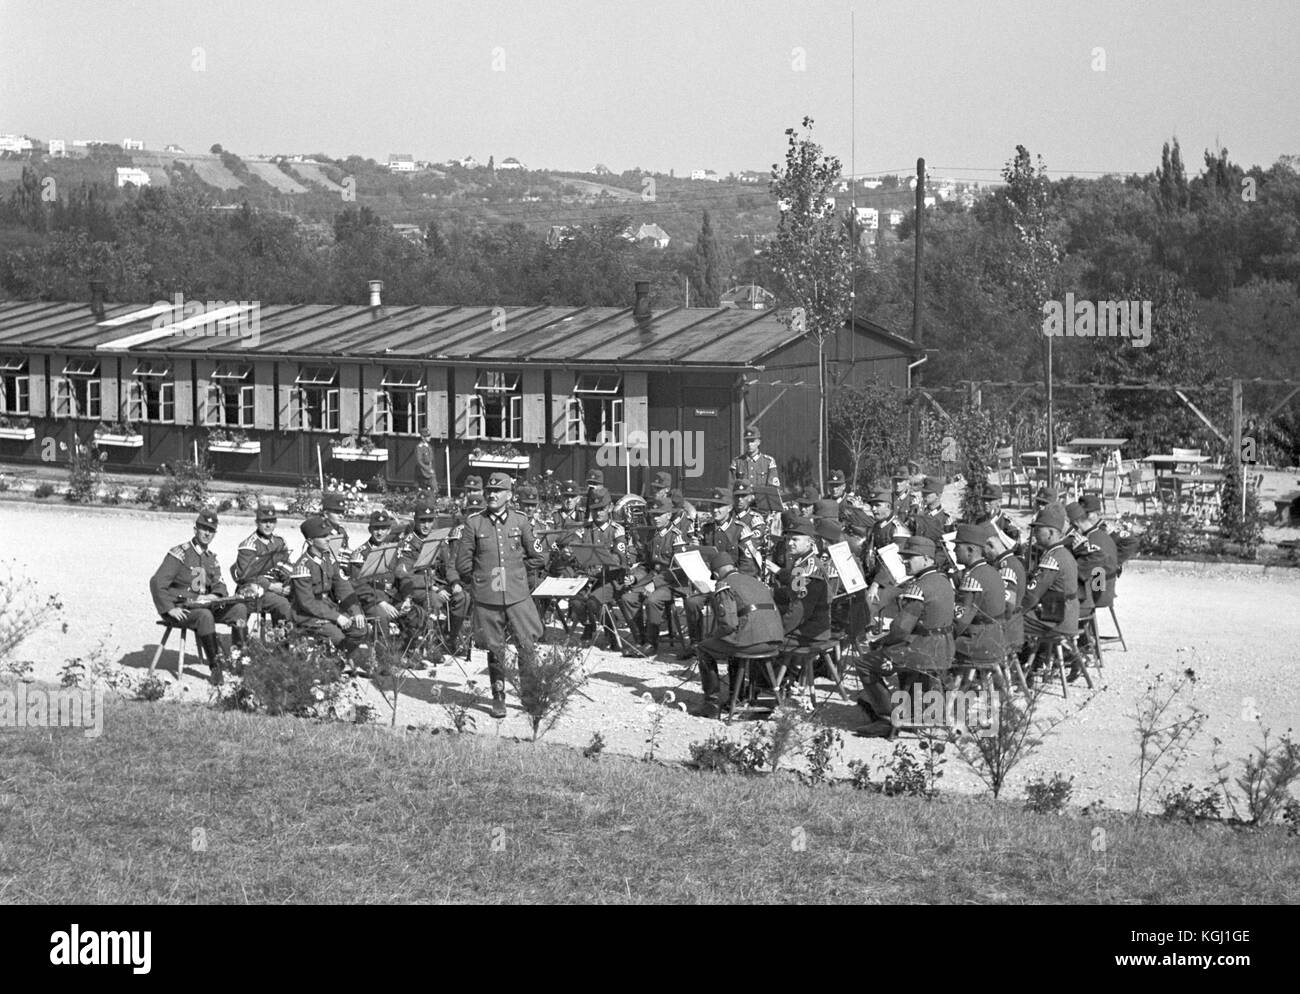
707 277
810 256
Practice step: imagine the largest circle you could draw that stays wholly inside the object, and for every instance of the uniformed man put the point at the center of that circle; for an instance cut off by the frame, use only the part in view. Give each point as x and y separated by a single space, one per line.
803 598
426 476
333 505
753 539
1014 579
653 585
190 574
684 514
595 481
572 512
472 487
496 552
385 596
745 620
324 603
1051 603
993 513
981 601
1098 561
540 521
932 521
756 468
607 580
855 520
262 567
660 486
886 524
437 587
917 650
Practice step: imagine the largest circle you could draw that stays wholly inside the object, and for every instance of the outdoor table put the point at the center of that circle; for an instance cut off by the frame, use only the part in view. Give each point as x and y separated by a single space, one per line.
1166 463
1111 446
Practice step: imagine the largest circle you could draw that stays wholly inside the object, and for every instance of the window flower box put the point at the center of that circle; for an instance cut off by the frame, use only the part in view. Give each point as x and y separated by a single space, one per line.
131 441
352 454
243 448
517 464
18 434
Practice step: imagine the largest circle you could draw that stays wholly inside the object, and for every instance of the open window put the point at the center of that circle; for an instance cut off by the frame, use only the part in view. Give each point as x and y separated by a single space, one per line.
15 386
595 412
77 391
402 402
317 398
496 407
230 396
151 392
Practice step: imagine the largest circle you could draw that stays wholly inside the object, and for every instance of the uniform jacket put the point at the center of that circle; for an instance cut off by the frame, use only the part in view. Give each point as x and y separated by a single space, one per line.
981 604
1053 590
335 530
319 589
926 607
806 615
186 571
727 539
932 525
444 565
425 472
256 559
1106 555
745 612
758 471
496 554
381 587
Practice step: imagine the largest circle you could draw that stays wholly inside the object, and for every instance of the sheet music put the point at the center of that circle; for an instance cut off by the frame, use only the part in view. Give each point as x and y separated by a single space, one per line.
382 559
692 564
892 561
560 586
429 549
847 567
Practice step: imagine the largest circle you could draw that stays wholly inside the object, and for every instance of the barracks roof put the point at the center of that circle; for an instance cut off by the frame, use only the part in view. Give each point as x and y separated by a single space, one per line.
543 335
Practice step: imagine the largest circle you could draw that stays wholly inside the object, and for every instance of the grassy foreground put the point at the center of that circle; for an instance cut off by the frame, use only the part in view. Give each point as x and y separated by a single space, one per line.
182 804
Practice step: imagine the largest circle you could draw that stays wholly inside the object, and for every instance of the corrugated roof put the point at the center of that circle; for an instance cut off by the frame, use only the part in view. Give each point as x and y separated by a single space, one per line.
545 335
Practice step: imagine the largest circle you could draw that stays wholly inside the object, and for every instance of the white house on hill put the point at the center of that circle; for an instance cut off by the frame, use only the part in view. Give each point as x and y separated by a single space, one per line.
129 174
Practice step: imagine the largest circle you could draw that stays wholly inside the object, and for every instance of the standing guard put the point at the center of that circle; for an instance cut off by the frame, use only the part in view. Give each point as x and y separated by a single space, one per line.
756 468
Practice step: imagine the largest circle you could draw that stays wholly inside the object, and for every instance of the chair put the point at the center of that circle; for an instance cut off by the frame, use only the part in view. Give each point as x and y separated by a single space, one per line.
1006 470
1119 632
168 626
828 652
1055 645
1192 457
745 679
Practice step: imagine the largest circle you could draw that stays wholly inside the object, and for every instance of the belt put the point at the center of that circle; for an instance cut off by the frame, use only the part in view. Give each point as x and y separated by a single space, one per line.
747 608
945 630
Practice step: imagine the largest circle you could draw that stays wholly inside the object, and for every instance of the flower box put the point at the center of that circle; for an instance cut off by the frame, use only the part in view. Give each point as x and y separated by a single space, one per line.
18 434
518 464
359 455
125 441
243 448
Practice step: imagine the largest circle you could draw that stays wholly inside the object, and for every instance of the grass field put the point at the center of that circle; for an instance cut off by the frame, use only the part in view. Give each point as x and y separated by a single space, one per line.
179 803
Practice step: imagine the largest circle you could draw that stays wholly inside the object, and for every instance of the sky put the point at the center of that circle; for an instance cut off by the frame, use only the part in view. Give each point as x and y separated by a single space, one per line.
1093 86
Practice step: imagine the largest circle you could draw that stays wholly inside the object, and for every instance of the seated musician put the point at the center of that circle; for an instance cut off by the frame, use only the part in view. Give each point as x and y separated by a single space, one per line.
753 540
1098 558
660 486
471 488
607 580
262 567
917 651
932 521
885 524
1014 579
187 590
324 603
993 513
437 587
981 601
852 516
722 534
541 523
803 598
571 513
653 584
745 620
385 595
333 505
1051 603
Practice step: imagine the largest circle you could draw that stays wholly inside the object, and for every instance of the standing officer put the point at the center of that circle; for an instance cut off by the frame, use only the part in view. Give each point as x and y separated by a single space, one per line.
262 566
496 552
426 477
919 644
324 603
756 468
190 573
746 620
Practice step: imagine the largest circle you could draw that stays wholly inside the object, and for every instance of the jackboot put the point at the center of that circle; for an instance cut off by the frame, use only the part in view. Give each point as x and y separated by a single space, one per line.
650 641
208 643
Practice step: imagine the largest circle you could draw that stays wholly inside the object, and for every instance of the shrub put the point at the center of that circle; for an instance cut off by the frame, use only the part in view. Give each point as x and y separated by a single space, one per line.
288 678
305 499
1244 527
152 688
22 611
1017 733
720 754
821 751
113 494
4 482
83 473
904 774
1170 532
246 499
146 495
186 486
1187 805
545 682
463 712
1166 722
43 490
225 505
1045 797
595 746
1265 780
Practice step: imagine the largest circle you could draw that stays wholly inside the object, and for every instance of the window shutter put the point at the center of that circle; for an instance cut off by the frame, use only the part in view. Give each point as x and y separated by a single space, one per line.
62 397
288 400
349 389
110 399
183 392
264 395
382 417
561 393
462 403
435 378
134 406
636 407
36 378
209 411
535 426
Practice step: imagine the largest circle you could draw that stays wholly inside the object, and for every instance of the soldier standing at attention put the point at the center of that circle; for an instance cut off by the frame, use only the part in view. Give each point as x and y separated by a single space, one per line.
756 468
496 552
426 478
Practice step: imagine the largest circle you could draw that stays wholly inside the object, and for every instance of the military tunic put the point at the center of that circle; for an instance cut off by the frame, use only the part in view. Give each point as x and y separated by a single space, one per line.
977 620
189 571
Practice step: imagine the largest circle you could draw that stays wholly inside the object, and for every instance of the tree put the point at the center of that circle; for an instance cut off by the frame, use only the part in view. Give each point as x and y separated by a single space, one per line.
707 275
1172 180
217 150
872 426
810 256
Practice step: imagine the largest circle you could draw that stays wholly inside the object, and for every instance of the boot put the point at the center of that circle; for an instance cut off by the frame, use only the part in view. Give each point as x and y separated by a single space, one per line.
208 643
588 634
650 641
498 699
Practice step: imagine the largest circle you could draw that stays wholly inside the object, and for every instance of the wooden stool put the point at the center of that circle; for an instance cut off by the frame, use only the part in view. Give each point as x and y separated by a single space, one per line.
1056 662
168 626
746 661
1089 626
1119 636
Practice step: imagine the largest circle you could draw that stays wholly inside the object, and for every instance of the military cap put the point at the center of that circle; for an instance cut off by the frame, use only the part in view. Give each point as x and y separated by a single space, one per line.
720 495
932 485
826 508
799 526
599 498
719 560
527 495
266 512
315 528
474 503
380 519
1050 516
500 481
969 534
809 496
424 511
991 492
332 500
1091 503
207 519
1047 495
752 432
570 489
836 478
829 529
741 489
917 545
596 478
883 497
1074 511
661 505
662 481
473 483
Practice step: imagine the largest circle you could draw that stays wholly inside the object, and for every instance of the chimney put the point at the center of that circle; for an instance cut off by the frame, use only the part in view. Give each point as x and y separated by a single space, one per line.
641 310
97 299
376 301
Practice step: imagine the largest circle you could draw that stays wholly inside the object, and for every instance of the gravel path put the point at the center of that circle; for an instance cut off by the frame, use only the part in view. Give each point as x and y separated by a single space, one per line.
1236 626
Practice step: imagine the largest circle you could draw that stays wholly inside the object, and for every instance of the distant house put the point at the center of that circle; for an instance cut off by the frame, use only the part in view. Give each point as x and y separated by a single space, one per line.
706 174
129 174
602 170
174 148
559 234
413 233
511 163
895 218
469 162
15 143
752 176
133 145
871 184
401 163
868 218
653 234
750 297
58 147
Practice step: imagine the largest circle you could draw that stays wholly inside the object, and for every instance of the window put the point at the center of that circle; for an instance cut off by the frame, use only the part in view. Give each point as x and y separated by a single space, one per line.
151 394
496 407
317 398
595 415
402 404
15 386
230 396
77 392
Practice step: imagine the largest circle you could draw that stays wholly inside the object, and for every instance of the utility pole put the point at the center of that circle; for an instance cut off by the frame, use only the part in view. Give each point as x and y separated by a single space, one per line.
918 263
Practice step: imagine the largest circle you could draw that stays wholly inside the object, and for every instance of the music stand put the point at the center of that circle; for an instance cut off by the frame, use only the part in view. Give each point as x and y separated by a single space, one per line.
381 560
767 500
589 557
432 543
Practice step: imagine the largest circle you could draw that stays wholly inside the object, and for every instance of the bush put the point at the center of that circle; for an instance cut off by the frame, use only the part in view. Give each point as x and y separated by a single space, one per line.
820 753
22 612
1017 732
113 495
1265 780
145 495
1045 797
225 505
186 486
306 498
904 773
84 473
152 688
720 754
246 499
43 490
1246 528
545 682
1170 532
289 678
1186 805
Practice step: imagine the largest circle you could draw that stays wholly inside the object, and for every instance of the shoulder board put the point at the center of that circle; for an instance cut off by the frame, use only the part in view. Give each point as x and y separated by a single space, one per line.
301 570
1049 561
178 551
249 543
619 529
971 583
912 591
455 533
1009 574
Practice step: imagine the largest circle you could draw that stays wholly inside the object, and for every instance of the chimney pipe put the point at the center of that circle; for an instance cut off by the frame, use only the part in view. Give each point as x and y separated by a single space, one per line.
641 310
376 300
97 298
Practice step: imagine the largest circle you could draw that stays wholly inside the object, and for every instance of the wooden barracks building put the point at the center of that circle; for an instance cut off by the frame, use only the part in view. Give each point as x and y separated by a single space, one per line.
273 391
